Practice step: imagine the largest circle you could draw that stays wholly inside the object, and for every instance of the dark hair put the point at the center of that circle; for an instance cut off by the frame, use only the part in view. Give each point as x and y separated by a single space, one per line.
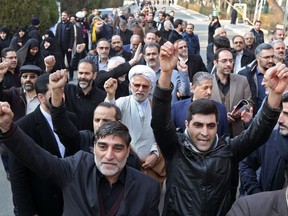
177 22
89 61
115 128
6 50
218 51
41 84
221 42
118 113
202 106
236 36
257 21
151 44
102 39
285 97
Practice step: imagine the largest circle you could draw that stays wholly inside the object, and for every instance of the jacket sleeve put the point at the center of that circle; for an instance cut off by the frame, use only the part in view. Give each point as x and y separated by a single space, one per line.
114 73
162 124
65 129
248 176
153 207
183 83
257 133
21 189
71 36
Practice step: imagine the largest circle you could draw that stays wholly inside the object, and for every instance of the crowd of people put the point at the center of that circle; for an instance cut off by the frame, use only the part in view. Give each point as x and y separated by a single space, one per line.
147 117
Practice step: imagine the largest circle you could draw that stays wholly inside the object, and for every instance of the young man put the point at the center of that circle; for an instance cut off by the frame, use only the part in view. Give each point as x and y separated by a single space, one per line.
198 162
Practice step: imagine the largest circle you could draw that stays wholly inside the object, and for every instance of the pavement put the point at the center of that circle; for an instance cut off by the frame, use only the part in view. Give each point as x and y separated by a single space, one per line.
239 28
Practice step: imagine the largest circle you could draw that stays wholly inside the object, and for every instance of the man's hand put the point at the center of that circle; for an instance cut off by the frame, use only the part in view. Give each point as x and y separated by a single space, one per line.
6 116
137 56
150 161
49 62
276 81
80 47
181 66
57 81
110 87
246 116
3 69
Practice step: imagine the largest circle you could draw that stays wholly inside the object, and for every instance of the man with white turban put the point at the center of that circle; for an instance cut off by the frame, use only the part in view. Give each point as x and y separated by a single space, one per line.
136 111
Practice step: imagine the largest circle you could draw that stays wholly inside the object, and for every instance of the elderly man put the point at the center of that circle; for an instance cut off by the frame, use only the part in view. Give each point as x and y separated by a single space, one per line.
279 51
136 110
198 162
202 85
96 184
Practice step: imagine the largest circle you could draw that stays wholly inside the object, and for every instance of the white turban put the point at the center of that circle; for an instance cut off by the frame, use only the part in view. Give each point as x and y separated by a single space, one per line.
145 71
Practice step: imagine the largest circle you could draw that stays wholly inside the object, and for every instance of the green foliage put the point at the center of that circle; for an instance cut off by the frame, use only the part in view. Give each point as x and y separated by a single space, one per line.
19 13
76 5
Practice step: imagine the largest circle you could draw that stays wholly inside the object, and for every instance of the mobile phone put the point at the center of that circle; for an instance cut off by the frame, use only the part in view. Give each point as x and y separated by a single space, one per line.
242 105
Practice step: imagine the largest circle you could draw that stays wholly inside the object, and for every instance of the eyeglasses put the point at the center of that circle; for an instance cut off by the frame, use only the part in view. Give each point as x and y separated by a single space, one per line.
30 76
224 61
139 85
182 47
102 48
267 57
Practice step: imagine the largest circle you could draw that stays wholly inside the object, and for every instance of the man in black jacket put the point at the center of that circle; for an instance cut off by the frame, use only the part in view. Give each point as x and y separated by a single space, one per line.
91 185
198 163
33 195
65 36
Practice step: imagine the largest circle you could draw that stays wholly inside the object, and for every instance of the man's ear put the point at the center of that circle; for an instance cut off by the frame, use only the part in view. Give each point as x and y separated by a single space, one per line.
40 97
94 75
186 124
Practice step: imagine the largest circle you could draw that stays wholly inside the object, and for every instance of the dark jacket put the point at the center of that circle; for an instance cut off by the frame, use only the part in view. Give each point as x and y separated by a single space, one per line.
195 64
210 57
271 157
268 203
200 183
77 177
83 105
174 36
193 44
15 96
247 57
81 140
31 193
67 40
34 32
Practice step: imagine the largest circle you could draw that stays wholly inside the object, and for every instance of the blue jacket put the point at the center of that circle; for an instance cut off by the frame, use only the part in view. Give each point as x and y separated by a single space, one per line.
272 164
179 112
192 43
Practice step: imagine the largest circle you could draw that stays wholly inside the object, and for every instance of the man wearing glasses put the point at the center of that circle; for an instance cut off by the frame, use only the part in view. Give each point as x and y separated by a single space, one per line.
255 71
242 56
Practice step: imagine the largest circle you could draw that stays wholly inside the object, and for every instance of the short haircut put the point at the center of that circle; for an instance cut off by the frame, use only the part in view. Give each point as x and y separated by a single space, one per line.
118 113
180 40
177 22
114 128
102 39
151 44
249 33
277 41
257 21
191 25
218 51
221 42
200 76
115 60
6 50
88 61
285 97
202 106
236 36
41 84
262 46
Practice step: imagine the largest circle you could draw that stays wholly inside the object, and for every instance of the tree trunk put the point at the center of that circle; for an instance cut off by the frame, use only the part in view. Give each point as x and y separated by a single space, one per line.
278 12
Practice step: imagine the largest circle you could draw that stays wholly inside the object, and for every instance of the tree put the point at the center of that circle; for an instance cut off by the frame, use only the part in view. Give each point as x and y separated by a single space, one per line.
277 11
19 13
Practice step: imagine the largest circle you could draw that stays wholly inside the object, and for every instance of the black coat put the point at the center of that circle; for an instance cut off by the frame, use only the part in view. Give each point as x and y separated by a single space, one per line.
200 183
68 38
31 193
77 176
195 64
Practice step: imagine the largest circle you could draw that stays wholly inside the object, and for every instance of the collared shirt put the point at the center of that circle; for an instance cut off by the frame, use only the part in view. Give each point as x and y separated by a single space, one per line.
224 88
32 103
48 118
237 64
108 194
102 66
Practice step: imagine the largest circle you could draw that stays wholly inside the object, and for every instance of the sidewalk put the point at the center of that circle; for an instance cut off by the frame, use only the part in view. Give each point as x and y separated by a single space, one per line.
240 28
